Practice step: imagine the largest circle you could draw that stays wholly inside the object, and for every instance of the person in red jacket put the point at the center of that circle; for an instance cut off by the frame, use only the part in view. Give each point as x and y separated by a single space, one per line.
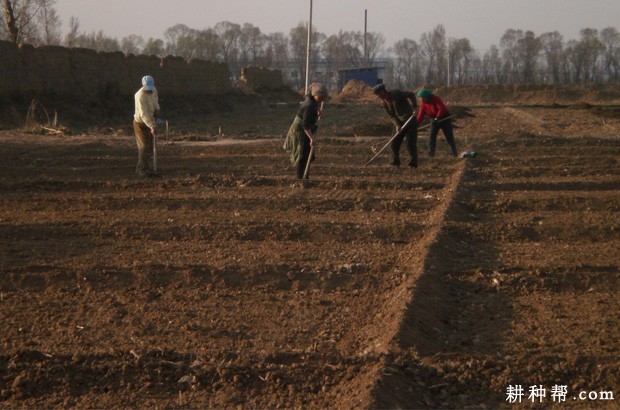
431 105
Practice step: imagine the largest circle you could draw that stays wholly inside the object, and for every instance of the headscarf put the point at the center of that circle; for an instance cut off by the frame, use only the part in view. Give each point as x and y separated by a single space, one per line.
424 93
317 90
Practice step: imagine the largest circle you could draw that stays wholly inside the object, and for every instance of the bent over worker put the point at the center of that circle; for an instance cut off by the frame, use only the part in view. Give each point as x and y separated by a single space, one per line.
400 106
301 134
144 123
433 107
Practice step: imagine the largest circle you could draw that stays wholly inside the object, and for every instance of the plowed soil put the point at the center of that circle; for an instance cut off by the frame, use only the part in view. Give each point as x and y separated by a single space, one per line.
227 283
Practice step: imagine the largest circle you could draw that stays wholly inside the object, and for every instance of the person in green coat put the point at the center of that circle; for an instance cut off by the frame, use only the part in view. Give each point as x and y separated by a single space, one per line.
301 134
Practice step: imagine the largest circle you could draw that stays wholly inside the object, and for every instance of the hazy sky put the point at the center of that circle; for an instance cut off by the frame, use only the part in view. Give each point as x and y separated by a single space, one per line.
483 22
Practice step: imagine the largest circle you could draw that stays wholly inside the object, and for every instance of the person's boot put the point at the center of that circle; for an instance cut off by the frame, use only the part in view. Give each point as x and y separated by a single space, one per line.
395 162
413 163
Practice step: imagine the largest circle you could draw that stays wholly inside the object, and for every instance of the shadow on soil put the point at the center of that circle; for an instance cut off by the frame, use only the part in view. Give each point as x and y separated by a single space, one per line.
453 325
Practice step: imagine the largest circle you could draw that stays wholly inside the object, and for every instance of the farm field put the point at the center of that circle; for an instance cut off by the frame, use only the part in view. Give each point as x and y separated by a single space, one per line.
227 283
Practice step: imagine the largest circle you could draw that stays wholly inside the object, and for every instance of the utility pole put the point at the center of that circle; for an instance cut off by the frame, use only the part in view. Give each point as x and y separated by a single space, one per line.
308 49
365 36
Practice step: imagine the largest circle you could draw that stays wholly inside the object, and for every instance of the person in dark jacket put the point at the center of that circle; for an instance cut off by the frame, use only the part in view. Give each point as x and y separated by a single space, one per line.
433 107
301 134
400 106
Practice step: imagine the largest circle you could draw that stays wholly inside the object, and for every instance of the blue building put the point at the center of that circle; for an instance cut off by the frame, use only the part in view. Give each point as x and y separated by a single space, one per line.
381 71
369 75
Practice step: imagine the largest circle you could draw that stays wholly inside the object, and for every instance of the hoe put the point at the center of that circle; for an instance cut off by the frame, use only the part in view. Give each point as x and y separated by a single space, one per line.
400 132
312 149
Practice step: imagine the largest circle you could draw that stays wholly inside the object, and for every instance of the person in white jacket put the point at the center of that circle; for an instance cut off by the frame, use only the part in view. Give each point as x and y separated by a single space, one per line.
145 123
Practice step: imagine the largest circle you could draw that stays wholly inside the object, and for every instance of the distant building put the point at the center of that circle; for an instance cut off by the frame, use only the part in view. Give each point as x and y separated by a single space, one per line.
382 71
369 75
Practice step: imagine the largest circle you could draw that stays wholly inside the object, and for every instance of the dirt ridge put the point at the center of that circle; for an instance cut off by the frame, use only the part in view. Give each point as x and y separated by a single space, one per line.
412 296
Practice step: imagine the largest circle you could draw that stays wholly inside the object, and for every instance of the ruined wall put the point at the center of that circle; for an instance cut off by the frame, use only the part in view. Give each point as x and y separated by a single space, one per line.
87 75
259 78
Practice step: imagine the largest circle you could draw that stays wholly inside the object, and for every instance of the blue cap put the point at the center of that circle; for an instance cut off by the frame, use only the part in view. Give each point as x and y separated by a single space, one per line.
148 83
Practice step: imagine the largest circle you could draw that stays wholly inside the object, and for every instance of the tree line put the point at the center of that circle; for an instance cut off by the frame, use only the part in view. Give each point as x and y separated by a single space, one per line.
519 57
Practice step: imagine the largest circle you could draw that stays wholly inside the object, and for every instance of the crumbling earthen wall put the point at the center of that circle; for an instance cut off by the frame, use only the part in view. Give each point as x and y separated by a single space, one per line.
259 78
87 75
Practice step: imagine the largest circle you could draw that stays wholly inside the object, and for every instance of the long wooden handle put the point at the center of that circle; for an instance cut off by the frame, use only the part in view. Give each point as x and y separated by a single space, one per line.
400 132
154 153
308 163
311 150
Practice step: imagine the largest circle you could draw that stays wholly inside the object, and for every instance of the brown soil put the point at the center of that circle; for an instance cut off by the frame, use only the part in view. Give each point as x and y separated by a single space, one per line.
525 94
226 283
356 91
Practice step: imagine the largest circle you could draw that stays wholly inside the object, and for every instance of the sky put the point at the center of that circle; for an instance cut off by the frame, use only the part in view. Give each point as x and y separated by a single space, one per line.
483 22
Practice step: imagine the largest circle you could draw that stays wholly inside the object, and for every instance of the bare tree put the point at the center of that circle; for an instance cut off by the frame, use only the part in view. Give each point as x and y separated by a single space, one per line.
409 63
476 69
154 47
589 49
25 19
334 59
177 40
251 42
132 44
276 50
434 47
552 46
11 21
353 48
229 34
190 43
344 50
528 48
298 39
510 52
73 33
97 41
338 50
3 29
611 55
492 67
48 22
461 55
574 65
208 45
374 45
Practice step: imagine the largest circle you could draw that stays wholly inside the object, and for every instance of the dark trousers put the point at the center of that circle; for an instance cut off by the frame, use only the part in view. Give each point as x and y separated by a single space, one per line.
446 127
305 152
411 133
